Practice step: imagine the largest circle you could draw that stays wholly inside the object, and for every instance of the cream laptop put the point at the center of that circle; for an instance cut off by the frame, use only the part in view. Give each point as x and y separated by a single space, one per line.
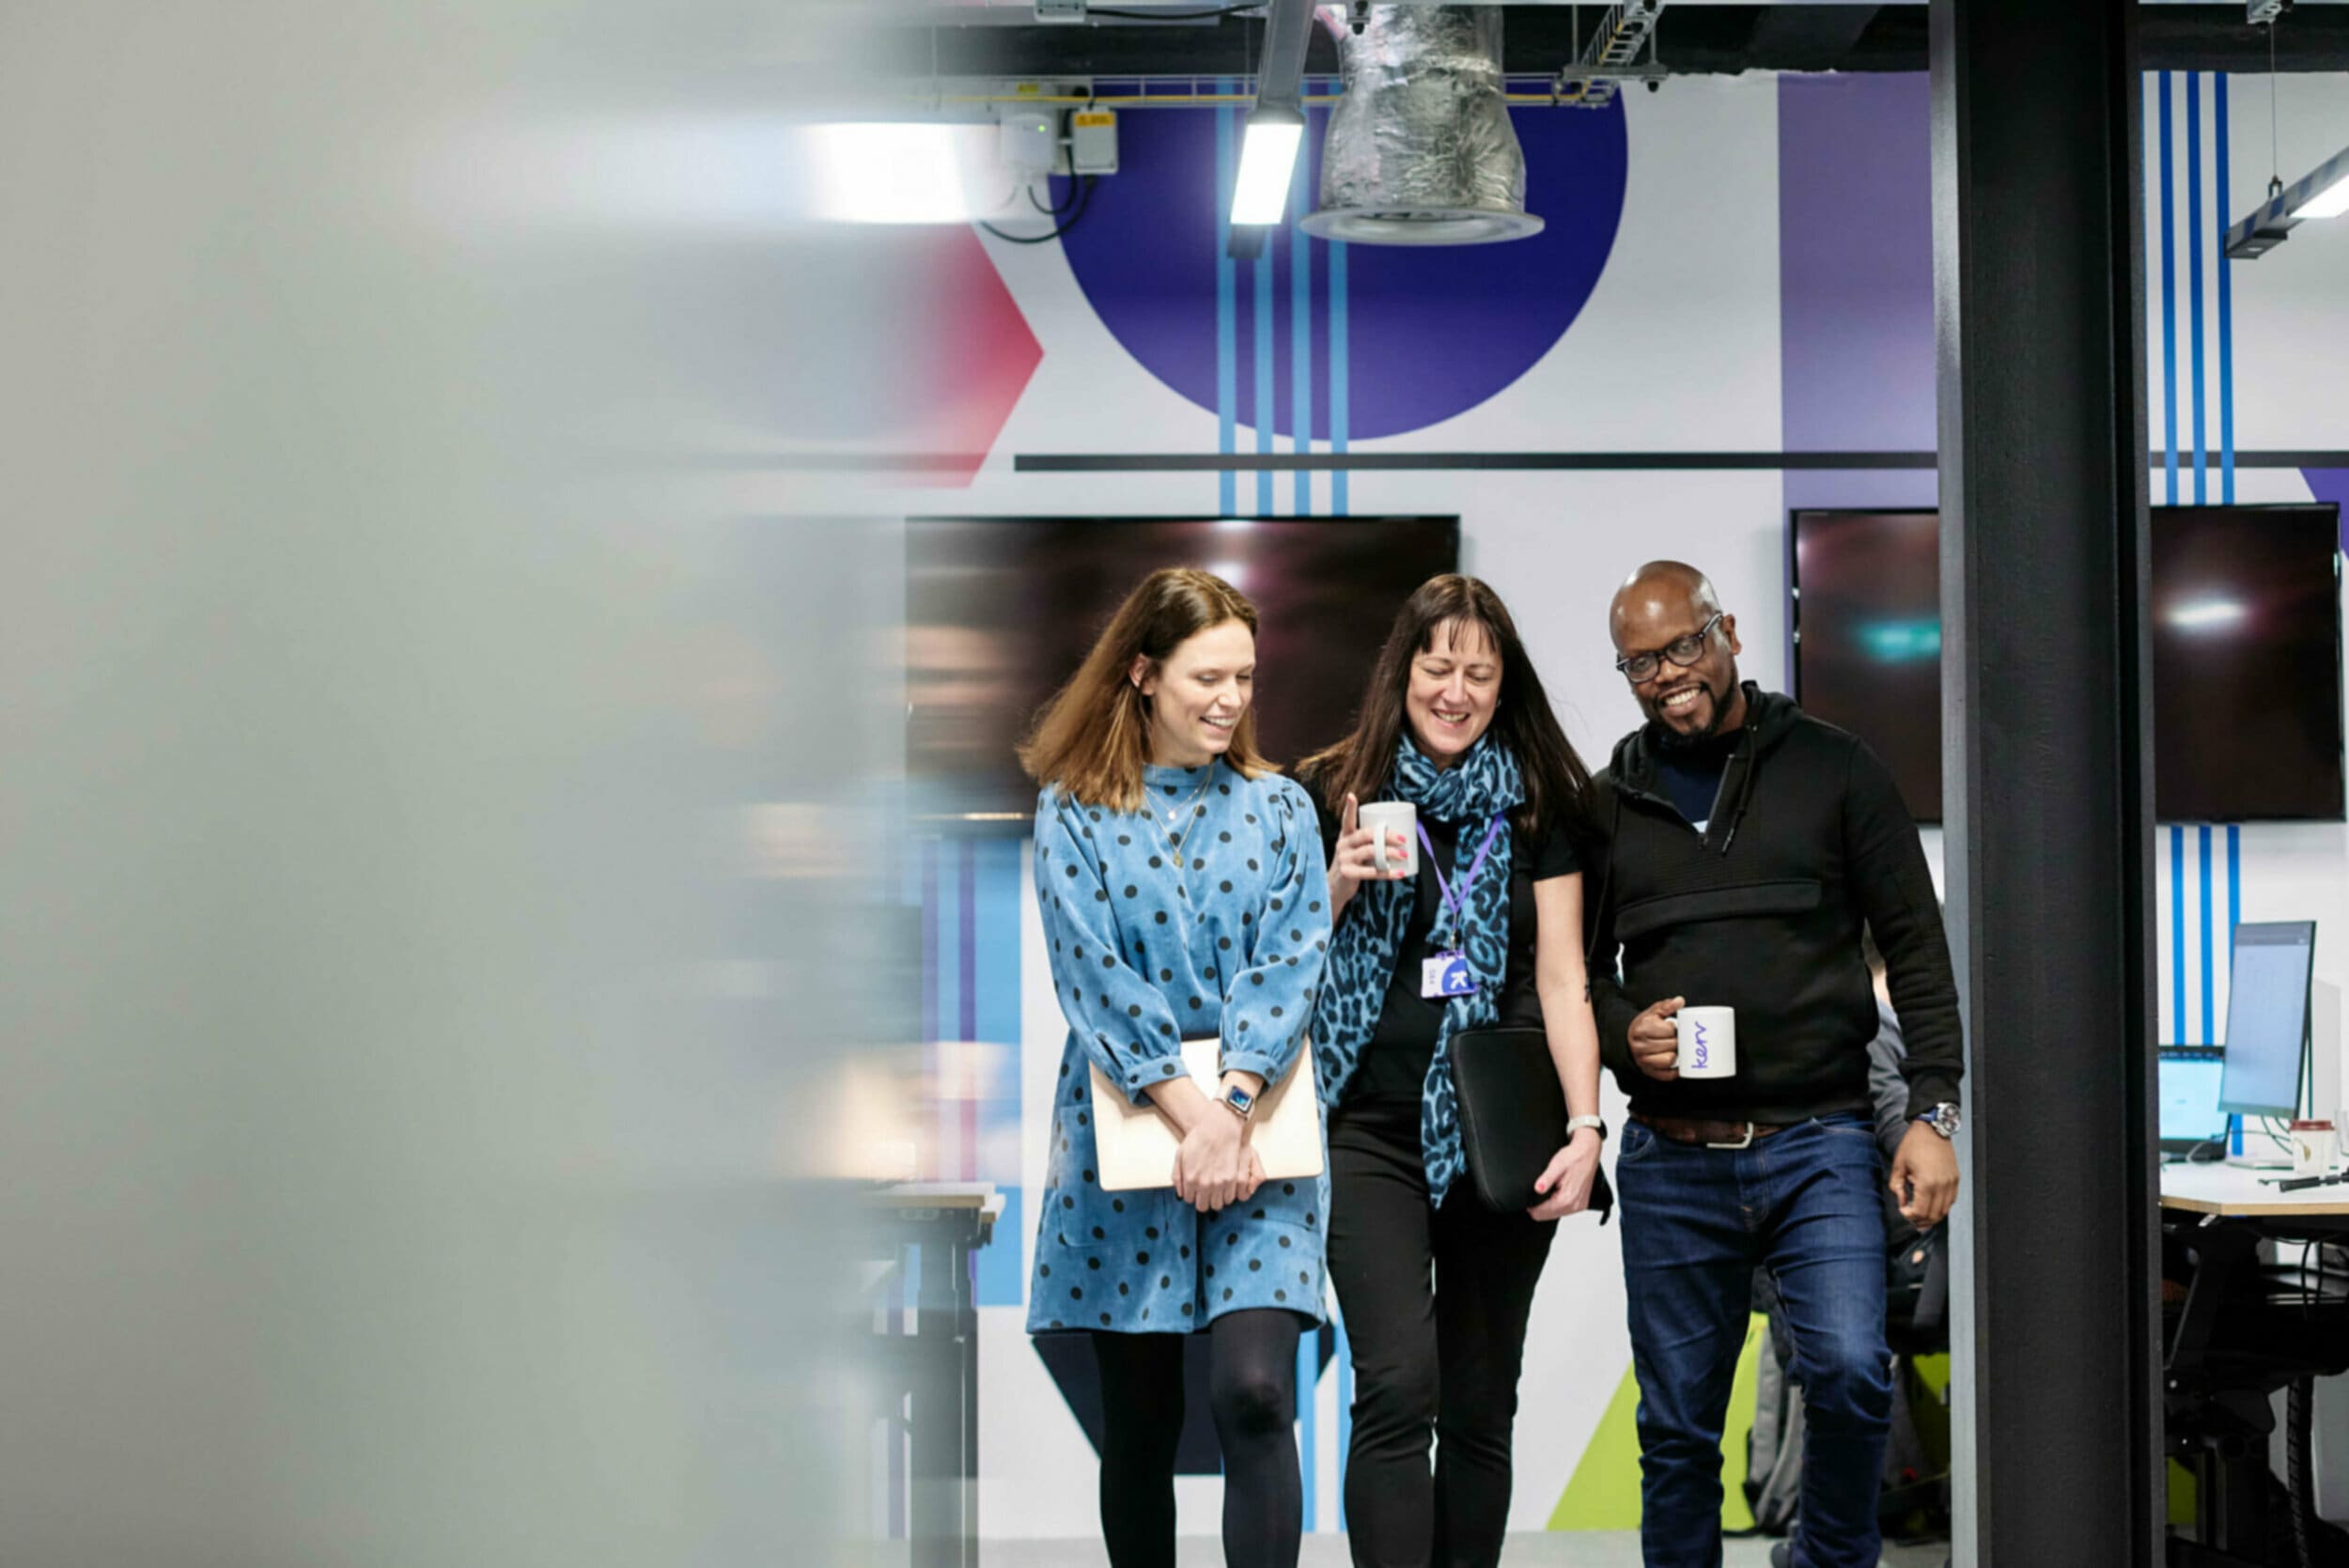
1135 1144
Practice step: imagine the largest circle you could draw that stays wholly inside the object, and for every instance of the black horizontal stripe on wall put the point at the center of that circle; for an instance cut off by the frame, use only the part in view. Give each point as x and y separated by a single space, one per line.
1362 463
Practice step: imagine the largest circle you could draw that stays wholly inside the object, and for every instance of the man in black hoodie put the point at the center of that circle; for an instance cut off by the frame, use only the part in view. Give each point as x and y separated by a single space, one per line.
1746 844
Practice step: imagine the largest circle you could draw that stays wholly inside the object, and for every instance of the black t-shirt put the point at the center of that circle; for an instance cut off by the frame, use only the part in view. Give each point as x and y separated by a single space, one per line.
1394 1064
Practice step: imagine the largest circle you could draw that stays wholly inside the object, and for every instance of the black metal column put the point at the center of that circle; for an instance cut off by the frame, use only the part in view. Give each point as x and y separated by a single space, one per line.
2039 299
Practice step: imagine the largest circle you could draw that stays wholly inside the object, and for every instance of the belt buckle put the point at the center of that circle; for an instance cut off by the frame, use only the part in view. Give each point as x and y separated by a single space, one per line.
1745 1142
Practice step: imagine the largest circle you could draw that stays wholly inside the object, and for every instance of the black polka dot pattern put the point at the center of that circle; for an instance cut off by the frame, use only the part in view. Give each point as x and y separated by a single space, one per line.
1134 981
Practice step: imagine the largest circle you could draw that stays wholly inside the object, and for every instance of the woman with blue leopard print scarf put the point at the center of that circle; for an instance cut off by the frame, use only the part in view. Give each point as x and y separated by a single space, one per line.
1435 1288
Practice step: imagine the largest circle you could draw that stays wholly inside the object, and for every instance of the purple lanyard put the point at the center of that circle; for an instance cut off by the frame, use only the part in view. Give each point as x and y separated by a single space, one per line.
1455 893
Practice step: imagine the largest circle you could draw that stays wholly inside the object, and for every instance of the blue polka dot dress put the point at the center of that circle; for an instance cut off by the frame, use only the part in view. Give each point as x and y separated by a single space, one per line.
1205 913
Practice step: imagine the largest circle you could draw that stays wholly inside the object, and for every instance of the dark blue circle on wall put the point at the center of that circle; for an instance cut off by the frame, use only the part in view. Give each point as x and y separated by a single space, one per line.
1429 332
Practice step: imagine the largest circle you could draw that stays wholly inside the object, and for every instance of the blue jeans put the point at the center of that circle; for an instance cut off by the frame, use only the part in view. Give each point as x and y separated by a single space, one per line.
1696 1223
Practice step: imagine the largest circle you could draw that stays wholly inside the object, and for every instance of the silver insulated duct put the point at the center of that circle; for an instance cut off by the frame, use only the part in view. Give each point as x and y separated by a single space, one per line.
1420 149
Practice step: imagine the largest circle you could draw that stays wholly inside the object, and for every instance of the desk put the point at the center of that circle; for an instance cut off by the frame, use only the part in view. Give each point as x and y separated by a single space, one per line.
939 1363
2235 1192
2224 1212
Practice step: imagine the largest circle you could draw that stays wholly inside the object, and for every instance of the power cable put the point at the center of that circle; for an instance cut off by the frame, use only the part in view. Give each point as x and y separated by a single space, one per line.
1076 189
1174 16
1083 198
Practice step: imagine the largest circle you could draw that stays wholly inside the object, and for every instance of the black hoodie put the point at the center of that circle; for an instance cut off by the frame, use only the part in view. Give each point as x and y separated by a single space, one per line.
1762 914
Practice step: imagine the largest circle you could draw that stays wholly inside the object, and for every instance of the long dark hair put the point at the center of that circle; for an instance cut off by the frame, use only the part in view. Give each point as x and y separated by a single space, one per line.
1556 785
1092 738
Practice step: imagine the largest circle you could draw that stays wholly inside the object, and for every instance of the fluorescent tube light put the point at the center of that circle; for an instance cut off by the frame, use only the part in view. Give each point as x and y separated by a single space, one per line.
1268 158
2330 202
881 172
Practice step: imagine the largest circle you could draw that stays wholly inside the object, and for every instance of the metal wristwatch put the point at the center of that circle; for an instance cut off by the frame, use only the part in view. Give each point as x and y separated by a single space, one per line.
1943 1118
1238 1101
1576 1124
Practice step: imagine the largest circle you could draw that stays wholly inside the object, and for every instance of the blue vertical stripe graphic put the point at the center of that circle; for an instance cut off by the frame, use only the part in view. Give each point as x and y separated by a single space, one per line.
2177 932
1301 330
946 913
1341 393
996 920
2210 1030
2234 889
1227 312
995 1010
1344 1358
2198 242
929 938
2226 313
967 938
1262 268
2168 302
1308 1386
892 1435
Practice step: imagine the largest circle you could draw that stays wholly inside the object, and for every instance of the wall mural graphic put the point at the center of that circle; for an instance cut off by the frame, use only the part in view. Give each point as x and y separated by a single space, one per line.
1433 331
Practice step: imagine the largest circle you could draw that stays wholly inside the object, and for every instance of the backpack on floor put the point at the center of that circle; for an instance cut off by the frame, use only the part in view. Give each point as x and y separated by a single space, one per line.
1774 1446
1913 1500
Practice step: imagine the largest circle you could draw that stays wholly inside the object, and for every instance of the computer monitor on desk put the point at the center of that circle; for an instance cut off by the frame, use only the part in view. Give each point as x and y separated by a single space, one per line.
2267 1020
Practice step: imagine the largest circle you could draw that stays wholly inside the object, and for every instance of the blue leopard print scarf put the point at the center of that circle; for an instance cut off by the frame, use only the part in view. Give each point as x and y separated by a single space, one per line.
1369 936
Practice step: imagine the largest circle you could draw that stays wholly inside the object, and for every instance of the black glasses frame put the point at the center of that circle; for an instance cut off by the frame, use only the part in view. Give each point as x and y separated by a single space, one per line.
1673 651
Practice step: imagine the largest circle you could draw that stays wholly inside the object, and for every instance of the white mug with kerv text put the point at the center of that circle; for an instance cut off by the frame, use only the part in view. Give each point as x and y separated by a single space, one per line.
1708 1042
1392 816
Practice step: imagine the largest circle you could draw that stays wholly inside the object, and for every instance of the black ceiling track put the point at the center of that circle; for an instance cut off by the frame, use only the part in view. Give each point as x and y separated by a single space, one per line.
1690 40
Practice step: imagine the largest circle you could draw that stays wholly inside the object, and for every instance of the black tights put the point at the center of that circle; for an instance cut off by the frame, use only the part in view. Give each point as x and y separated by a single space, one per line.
1251 1392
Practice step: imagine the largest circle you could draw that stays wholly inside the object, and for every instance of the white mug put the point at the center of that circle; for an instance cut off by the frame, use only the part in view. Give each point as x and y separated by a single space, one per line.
1392 816
1708 1042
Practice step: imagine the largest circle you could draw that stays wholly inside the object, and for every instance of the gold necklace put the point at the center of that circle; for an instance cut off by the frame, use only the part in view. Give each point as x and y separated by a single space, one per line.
1176 816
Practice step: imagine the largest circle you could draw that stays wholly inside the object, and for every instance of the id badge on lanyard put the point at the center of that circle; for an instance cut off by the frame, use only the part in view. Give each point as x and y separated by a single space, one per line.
1448 974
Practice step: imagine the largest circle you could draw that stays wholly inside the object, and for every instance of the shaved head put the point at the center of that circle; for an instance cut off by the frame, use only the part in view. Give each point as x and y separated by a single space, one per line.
1658 586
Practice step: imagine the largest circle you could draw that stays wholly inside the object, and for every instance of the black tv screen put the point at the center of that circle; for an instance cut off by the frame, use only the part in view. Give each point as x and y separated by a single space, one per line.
2247 722
1001 610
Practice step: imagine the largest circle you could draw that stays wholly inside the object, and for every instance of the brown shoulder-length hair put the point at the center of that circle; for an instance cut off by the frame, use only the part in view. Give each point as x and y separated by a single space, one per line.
1093 738
1556 785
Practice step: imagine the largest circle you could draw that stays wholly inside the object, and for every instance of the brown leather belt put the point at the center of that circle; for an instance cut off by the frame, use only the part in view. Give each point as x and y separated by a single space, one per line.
1713 1135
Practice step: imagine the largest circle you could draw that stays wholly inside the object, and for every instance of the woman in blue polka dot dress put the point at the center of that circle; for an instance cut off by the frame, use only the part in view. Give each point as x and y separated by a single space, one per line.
1183 897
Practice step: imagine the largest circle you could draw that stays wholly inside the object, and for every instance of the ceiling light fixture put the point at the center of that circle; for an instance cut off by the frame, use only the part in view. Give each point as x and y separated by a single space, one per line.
2323 193
1275 127
1268 162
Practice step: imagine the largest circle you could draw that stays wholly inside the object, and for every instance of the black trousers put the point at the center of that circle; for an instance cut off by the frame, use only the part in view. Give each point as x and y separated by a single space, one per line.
1435 1302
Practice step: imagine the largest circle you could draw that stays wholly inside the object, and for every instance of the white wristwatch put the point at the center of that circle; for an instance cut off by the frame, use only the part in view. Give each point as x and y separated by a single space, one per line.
1576 1124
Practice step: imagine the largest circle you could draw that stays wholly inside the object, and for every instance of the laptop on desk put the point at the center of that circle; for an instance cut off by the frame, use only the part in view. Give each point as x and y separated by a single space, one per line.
2187 1081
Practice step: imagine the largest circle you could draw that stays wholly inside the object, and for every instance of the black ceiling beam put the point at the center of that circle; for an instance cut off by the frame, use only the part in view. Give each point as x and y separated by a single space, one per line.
1694 40
1795 33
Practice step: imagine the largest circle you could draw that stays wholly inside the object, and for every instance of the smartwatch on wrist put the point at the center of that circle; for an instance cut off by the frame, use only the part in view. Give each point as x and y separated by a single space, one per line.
1576 1124
1238 1101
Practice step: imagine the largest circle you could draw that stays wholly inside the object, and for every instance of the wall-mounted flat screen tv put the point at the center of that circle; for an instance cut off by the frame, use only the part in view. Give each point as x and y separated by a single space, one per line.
2247 719
1001 610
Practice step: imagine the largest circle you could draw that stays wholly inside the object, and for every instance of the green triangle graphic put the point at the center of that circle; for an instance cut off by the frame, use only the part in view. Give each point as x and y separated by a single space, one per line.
1604 1493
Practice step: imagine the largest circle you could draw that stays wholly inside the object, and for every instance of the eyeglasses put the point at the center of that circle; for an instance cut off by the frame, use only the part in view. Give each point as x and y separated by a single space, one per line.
1682 651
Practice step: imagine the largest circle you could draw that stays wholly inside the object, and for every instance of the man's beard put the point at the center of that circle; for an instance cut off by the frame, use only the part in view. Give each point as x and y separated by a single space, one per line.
1671 740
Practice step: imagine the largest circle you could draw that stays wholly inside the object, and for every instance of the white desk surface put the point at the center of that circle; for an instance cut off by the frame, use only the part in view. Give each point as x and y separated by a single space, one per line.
2230 1190
940 1195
